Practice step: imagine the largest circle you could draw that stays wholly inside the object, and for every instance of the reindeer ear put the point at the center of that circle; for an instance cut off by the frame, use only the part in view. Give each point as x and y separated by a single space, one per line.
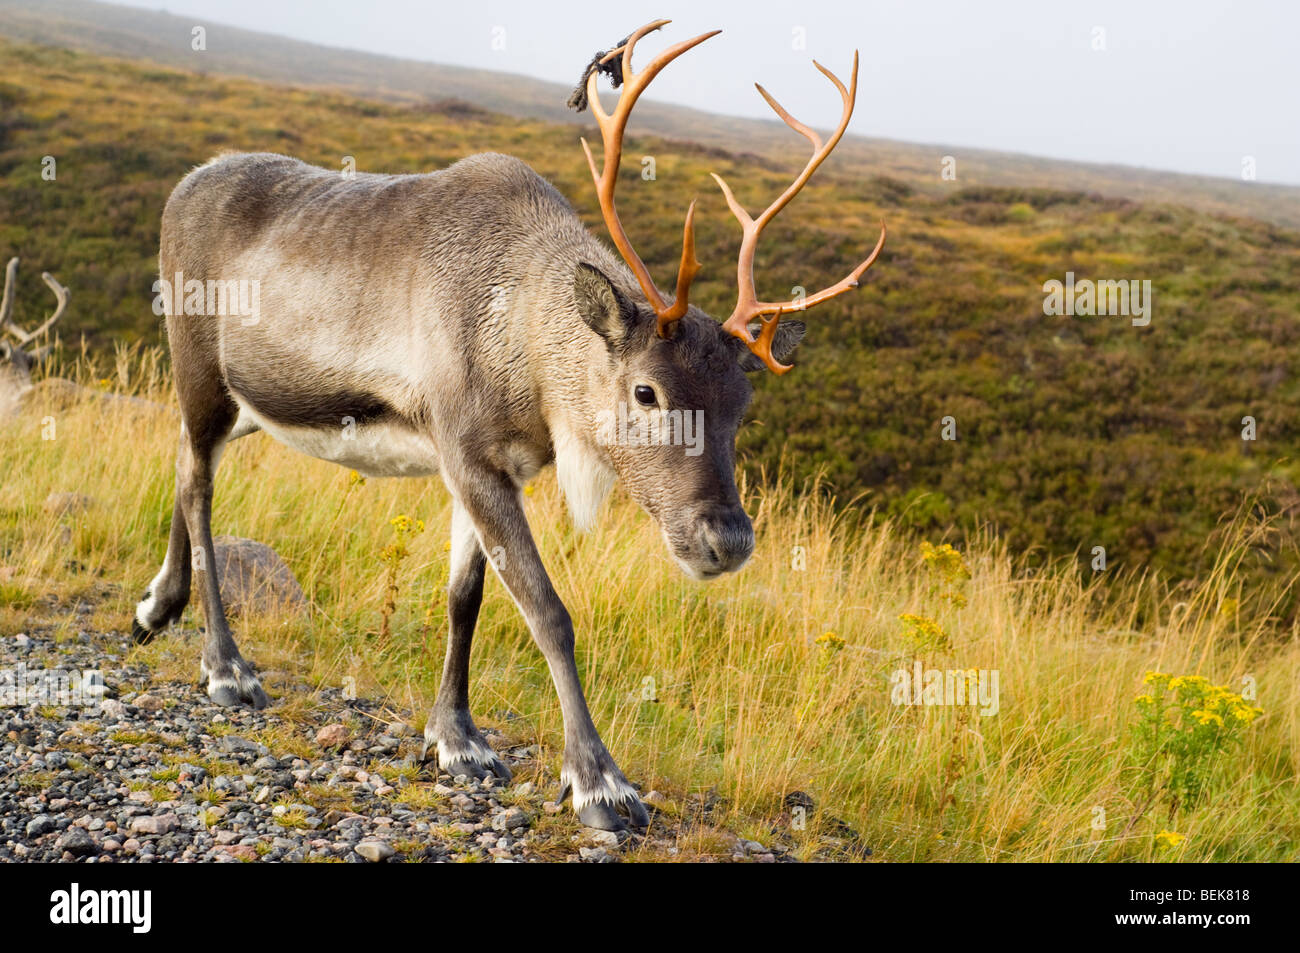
788 336
602 306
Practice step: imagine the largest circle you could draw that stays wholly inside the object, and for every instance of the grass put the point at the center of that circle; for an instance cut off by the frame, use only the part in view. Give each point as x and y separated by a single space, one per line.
733 688
736 687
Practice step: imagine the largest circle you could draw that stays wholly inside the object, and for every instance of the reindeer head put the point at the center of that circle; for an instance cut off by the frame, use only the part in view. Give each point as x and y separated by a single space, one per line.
16 361
673 369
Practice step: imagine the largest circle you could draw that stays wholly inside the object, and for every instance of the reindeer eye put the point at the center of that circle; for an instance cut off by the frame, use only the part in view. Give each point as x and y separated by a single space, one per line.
644 395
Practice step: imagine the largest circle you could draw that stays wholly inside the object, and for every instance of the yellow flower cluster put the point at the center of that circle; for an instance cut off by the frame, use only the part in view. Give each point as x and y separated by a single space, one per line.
1169 839
948 571
829 641
1205 702
405 526
924 633
945 561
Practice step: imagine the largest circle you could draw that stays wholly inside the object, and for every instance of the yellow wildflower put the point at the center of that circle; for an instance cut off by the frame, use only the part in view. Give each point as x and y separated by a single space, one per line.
829 641
1170 839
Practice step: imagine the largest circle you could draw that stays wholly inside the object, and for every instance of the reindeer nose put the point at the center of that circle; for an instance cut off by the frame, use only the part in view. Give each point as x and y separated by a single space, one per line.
726 537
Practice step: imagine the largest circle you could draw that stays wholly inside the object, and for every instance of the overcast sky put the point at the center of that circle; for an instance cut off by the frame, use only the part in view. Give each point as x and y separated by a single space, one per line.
1188 85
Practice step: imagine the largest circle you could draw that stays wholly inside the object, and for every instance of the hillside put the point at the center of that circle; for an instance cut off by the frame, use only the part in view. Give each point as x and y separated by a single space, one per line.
159 37
1072 432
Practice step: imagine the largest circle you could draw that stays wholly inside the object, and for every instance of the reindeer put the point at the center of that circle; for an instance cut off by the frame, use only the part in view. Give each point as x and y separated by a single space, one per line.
464 322
16 362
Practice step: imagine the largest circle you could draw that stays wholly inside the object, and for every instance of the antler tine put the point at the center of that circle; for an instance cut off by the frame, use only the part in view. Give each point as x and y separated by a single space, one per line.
7 301
611 128
748 306
7 322
61 295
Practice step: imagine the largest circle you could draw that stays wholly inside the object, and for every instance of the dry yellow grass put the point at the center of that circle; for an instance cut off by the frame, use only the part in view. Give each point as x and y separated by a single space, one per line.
721 687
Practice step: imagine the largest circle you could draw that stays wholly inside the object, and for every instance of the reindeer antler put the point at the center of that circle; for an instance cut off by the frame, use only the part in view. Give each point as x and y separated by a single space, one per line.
611 132
748 306
61 296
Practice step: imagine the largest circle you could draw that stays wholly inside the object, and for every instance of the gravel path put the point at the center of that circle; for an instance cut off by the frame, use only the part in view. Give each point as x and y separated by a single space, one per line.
154 773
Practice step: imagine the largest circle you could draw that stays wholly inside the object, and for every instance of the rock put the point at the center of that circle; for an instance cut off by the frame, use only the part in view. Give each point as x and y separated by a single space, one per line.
149 703
76 842
254 578
155 824
233 744
799 799
601 838
333 736
42 824
512 819
191 773
596 855
656 800
375 850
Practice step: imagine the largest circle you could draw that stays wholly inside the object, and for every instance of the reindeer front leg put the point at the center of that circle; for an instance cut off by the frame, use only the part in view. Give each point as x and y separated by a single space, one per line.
600 791
450 731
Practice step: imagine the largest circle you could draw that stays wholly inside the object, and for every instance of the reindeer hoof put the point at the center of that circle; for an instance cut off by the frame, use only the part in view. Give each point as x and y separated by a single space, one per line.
232 692
462 752
476 770
139 634
605 816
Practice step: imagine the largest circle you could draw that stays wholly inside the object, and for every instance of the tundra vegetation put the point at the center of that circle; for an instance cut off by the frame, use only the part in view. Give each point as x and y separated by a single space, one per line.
773 681
1072 433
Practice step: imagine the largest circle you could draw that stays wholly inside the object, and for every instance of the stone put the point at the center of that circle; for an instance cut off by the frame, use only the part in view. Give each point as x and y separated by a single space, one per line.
254 578
233 744
375 850
511 819
601 838
155 824
76 842
333 736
